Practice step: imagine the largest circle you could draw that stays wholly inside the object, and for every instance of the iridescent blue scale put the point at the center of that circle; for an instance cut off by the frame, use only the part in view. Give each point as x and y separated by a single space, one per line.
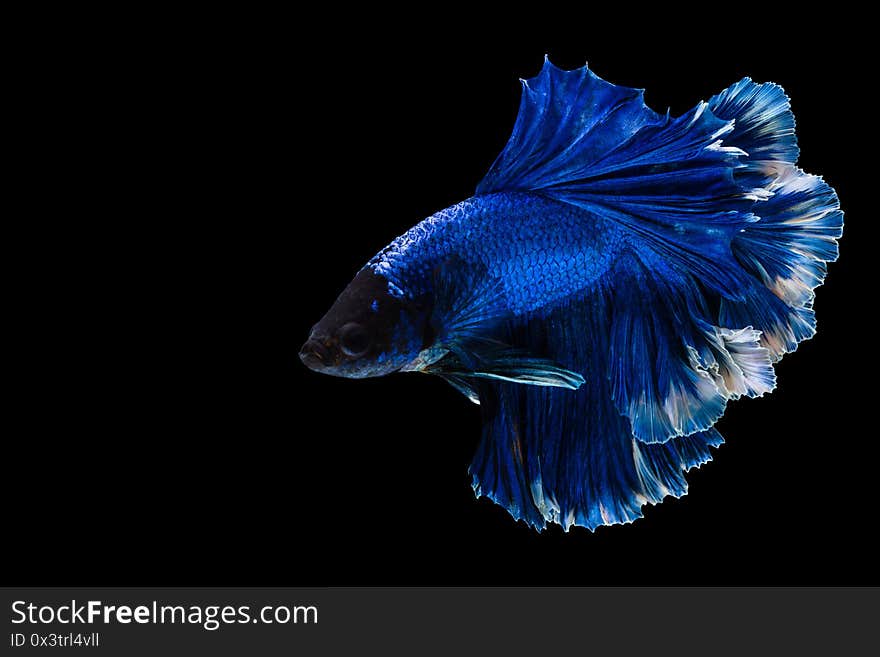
513 237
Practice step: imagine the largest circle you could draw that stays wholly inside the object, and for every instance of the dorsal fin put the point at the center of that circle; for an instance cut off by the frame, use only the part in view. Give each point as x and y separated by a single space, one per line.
567 121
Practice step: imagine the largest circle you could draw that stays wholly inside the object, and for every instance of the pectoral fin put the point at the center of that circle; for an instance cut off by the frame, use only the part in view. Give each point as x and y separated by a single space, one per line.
488 359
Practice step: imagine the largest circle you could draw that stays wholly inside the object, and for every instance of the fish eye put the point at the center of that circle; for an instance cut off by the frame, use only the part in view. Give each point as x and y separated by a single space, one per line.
353 339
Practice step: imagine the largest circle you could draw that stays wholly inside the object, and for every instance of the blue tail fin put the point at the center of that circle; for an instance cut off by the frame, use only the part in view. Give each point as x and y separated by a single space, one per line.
725 241
800 220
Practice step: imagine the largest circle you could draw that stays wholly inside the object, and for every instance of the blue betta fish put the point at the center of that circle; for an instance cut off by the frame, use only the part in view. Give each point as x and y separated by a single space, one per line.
617 278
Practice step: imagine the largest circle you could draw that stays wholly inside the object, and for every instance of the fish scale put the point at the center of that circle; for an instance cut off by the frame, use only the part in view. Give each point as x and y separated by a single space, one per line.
512 237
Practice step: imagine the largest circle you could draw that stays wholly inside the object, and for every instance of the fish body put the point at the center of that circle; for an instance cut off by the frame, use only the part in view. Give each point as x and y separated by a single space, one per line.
618 277
539 249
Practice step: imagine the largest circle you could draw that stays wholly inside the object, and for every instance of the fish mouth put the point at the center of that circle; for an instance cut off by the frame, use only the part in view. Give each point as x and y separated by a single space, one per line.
315 355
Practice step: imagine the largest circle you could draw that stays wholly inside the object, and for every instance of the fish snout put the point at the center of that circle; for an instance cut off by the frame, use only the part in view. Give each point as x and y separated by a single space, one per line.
315 355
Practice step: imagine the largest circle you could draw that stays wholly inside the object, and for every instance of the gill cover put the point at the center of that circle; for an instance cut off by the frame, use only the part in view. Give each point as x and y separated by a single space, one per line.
367 331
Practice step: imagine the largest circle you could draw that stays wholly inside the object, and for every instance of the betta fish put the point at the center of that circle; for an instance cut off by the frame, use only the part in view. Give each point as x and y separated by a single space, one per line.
617 278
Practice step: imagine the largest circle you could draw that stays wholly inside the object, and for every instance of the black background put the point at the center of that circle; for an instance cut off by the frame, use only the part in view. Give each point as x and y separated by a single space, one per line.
214 183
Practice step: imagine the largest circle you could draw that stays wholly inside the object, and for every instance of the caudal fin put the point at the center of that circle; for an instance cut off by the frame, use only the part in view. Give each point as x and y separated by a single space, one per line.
799 219
725 241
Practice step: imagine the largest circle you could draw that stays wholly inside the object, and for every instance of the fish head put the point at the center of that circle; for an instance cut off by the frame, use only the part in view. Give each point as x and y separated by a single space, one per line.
367 332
